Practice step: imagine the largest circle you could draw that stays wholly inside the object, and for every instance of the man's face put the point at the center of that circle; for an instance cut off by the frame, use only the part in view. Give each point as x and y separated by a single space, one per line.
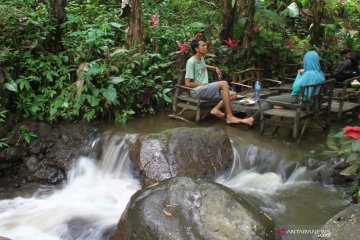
202 47
347 55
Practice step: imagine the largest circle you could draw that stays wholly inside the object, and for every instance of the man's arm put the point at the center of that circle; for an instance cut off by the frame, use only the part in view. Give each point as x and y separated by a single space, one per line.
215 69
189 83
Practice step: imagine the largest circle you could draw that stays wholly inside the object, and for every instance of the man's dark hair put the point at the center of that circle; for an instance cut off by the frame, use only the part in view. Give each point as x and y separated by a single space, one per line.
345 51
355 59
194 44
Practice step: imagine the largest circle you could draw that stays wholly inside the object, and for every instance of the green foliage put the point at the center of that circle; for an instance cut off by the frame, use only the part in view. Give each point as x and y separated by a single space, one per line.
348 147
25 135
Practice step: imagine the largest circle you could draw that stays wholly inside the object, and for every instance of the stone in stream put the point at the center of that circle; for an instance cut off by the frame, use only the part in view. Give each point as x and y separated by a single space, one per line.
344 225
185 208
179 152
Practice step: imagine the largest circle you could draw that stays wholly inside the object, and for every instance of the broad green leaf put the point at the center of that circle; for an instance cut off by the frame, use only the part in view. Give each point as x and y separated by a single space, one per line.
12 86
350 170
356 146
293 10
197 25
65 104
119 51
116 25
109 93
354 157
339 134
116 80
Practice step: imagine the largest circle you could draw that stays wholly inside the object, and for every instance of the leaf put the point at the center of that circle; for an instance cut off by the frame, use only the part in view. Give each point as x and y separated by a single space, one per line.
350 170
110 93
197 25
119 51
12 86
65 104
116 80
356 146
116 25
167 213
339 134
293 10
353 158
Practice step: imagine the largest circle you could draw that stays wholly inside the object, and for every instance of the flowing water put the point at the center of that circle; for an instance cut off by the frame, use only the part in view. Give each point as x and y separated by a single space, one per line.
290 182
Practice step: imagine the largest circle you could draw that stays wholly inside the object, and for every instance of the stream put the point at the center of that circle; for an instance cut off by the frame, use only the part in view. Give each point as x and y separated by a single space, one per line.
290 182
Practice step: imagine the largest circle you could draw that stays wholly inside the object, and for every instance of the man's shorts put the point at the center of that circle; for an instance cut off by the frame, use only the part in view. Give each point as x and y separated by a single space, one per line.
210 91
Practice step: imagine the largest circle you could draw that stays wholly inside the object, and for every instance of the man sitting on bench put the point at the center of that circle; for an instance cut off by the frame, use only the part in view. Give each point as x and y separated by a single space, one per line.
196 77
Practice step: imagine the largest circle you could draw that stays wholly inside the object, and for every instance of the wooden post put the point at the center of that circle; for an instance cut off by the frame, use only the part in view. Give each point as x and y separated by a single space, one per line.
316 29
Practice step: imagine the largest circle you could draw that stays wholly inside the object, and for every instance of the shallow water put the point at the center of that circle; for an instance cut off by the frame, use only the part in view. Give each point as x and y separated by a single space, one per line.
279 177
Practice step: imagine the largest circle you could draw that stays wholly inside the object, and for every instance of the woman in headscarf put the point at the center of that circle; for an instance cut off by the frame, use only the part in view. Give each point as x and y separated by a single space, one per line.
312 74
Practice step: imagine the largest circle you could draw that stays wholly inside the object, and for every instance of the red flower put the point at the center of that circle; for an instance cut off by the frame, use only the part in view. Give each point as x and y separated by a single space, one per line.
183 47
290 44
255 29
154 20
353 132
197 35
230 42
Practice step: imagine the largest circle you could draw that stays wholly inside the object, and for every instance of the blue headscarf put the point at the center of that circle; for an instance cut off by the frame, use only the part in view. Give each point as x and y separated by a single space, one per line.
312 72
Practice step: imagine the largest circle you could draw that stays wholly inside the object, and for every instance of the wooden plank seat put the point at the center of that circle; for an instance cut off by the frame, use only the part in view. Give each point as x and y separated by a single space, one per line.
345 99
314 101
183 101
244 81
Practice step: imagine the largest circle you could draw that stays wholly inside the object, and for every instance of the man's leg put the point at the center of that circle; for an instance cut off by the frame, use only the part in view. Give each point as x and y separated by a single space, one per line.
287 98
225 102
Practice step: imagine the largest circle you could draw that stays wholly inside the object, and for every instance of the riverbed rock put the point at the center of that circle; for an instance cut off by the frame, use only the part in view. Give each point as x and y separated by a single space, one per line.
179 152
49 155
185 208
344 225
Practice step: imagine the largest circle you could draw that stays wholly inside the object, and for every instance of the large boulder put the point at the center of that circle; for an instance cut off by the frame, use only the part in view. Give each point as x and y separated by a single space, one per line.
181 151
344 225
185 208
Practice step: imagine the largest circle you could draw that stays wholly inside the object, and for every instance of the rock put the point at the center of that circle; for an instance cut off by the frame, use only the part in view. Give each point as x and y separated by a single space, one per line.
186 208
181 151
32 163
4 238
47 174
344 225
12 154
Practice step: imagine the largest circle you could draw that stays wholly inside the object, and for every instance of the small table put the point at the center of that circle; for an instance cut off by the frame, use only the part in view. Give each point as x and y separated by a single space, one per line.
236 107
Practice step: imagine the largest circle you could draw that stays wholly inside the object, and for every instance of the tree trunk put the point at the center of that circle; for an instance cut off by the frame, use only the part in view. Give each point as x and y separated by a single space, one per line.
316 29
57 13
134 29
229 20
247 10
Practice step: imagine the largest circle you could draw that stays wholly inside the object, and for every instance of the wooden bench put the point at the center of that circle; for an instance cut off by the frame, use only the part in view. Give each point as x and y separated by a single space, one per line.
345 99
183 101
314 101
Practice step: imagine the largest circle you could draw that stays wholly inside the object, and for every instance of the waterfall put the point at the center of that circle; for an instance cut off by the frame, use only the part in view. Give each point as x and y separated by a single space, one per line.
99 186
89 204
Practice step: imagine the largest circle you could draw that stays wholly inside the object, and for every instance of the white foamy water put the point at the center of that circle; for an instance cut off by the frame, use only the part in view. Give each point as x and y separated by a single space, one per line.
93 199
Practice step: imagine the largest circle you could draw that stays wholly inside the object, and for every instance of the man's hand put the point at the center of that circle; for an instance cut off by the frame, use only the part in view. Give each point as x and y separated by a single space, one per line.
219 73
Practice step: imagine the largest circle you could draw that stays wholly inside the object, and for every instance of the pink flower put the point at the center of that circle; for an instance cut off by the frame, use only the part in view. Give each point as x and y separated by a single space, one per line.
255 29
230 42
353 132
154 20
183 47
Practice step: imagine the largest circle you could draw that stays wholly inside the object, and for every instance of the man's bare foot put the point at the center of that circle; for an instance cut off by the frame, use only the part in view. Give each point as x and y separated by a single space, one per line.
232 119
217 113
278 107
248 121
